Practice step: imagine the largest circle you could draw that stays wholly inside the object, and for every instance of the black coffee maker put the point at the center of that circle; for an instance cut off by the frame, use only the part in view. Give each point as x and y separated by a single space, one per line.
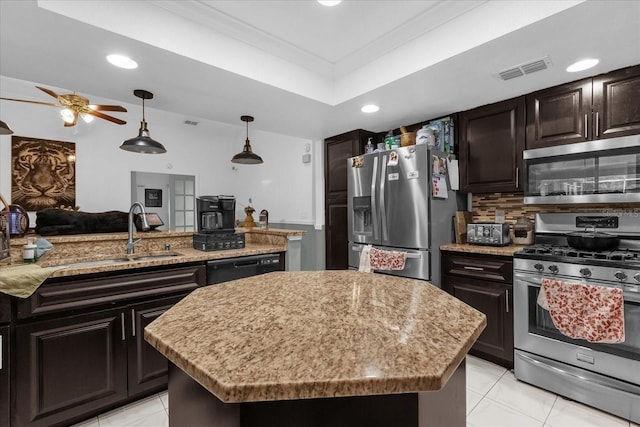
216 214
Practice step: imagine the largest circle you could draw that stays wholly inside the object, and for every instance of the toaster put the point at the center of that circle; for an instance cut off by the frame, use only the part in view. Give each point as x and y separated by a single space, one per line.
490 234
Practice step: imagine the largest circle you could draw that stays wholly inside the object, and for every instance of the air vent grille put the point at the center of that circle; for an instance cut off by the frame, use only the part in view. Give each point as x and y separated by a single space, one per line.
526 68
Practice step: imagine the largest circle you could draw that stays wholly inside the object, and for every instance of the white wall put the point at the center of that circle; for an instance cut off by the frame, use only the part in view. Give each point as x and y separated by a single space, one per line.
282 184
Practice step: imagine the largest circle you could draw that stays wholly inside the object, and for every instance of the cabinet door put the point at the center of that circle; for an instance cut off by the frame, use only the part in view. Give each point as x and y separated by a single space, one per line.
617 103
4 376
560 115
148 369
337 238
69 367
495 301
491 144
337 150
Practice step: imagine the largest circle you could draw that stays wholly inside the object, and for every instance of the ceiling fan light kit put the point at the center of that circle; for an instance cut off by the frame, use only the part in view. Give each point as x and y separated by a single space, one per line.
247 156
74 105
143 142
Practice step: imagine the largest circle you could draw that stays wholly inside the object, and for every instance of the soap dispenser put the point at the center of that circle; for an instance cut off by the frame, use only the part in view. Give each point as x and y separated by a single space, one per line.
369 147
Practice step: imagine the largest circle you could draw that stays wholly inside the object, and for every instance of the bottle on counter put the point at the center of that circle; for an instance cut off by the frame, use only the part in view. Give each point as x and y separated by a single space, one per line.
29 251
369 147
388 140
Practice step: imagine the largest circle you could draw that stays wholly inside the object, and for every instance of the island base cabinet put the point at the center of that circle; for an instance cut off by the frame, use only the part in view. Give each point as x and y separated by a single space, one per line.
68 367
193 405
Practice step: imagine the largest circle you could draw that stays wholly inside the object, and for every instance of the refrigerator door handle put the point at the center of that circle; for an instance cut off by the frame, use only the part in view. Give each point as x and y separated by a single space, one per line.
374 204
383 208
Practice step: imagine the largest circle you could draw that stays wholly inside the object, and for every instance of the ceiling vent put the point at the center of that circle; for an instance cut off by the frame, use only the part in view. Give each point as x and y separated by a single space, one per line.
526 68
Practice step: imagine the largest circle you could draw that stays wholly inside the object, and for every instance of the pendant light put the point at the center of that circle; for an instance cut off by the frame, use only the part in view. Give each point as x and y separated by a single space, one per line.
5 129
247 156
143 142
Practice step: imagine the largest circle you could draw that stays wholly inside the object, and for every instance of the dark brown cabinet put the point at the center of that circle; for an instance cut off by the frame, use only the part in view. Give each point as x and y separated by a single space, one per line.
337 150
485 283
491 140
68 367
5 391
80 345
605 106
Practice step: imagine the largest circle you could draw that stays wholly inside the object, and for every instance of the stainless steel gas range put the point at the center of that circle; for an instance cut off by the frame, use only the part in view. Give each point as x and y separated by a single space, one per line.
605 376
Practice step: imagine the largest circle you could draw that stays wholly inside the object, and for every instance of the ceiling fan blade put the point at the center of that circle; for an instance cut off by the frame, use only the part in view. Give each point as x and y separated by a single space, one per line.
105 117
49 92
108 108
32 102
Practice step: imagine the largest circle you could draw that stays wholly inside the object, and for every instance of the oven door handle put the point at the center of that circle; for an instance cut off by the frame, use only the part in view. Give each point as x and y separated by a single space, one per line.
528 279
557 370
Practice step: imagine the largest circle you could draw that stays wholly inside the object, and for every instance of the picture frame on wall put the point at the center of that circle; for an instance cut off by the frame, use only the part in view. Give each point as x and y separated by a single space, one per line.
152 198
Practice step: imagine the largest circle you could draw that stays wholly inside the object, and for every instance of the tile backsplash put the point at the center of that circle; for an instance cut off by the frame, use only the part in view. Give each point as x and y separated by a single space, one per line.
485 205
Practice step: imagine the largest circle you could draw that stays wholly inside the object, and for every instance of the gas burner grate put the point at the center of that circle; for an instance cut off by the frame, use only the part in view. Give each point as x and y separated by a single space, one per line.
625 255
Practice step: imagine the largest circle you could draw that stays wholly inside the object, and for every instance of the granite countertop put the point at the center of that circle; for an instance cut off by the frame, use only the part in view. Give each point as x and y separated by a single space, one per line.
297 335
92 249
479 249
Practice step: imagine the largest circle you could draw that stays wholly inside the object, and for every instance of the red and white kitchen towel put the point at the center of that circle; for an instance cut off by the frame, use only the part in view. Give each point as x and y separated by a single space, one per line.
578 310
377 259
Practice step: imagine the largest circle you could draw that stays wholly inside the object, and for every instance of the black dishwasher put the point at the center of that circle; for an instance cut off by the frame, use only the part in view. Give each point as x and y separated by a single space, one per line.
223 270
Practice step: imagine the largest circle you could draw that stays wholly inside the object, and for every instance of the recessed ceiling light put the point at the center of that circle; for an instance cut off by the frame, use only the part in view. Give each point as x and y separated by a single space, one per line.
369 108
122 61
329 2
582 65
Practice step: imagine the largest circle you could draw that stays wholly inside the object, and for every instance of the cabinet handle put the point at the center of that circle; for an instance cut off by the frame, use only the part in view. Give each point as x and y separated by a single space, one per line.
585 126
506 301
597 126
122 321
517 177
1 352
467 267
133 322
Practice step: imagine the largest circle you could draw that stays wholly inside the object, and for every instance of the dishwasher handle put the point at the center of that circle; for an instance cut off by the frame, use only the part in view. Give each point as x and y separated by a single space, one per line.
247 261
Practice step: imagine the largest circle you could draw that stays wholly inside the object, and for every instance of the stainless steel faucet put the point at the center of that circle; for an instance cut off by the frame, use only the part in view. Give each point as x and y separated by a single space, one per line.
145 226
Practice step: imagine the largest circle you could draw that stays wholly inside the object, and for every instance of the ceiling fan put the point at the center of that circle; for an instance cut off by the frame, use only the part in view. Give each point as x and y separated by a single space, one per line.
75 105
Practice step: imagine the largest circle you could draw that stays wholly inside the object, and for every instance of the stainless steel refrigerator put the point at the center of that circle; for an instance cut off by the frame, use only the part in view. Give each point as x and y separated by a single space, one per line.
391 206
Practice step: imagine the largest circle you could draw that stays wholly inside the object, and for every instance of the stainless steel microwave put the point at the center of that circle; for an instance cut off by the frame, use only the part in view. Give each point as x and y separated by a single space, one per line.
600 171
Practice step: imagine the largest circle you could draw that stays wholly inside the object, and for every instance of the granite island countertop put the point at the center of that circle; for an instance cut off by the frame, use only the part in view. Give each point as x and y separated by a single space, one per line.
299 335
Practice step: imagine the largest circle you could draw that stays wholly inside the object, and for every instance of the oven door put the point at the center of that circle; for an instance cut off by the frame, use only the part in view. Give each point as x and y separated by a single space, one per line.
534 332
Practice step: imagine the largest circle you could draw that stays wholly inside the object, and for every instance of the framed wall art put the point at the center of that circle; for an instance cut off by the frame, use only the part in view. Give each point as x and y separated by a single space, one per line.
43 173
152 198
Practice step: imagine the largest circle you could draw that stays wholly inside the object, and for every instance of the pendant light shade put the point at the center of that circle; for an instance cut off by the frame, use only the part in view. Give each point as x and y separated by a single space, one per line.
247 156
5 129
143 142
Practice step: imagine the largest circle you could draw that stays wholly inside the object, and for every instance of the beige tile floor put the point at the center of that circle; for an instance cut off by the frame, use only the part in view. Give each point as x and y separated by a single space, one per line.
494 399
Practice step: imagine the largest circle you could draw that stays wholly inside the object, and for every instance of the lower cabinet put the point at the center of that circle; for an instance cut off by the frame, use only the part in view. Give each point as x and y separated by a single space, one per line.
5 391
72 364
485 283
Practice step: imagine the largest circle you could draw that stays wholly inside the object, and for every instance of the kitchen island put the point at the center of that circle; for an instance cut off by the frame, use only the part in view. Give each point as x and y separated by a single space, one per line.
325 348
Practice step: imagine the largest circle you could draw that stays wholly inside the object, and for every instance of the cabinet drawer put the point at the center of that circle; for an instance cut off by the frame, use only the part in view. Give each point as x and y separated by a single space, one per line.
54 296
485 267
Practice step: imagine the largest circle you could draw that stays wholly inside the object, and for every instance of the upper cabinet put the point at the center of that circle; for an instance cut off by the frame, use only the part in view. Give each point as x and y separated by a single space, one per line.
605 106
491 141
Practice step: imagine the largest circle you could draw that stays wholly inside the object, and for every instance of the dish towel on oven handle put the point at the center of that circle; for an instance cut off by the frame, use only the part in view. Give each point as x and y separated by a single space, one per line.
582 311
377 259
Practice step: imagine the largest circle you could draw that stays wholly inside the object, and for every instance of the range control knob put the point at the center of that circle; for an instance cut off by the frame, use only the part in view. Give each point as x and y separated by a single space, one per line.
621 276
585 272
539 267
553 268
637 277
